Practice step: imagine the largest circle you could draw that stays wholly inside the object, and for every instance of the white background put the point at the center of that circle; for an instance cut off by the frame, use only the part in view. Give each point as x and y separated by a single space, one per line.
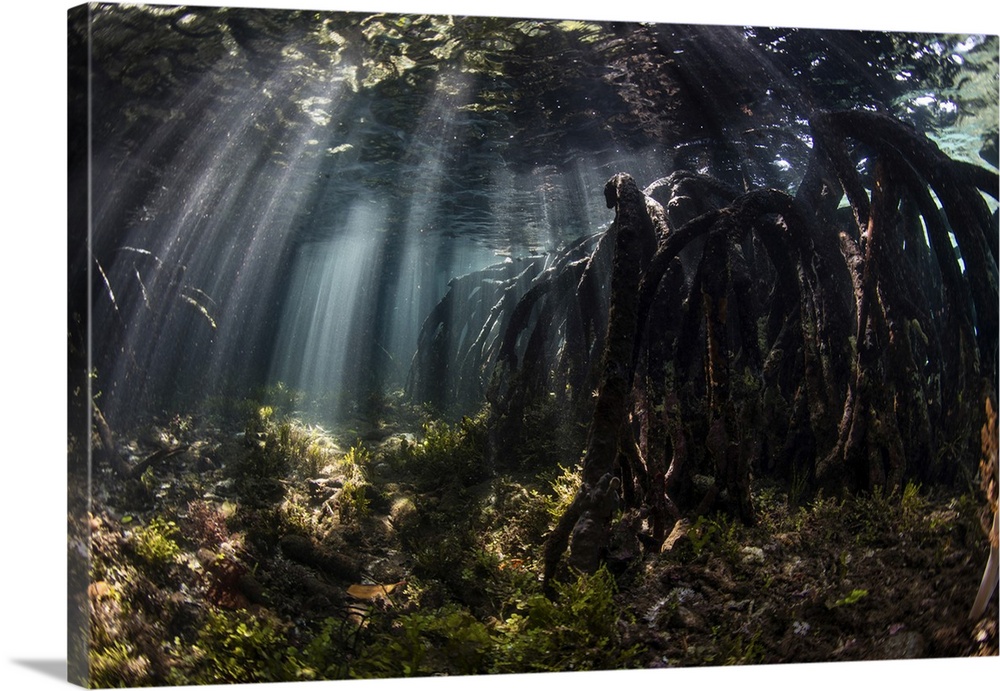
33 355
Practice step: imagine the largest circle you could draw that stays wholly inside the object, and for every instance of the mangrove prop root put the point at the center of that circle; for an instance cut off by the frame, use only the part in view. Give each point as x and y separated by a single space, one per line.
634 246
709 332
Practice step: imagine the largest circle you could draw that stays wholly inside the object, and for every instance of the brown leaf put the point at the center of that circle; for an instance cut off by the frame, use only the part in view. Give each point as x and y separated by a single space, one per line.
376 591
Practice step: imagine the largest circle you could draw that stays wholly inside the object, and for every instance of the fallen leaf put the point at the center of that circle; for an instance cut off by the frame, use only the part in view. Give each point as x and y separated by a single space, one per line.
376 591
99 590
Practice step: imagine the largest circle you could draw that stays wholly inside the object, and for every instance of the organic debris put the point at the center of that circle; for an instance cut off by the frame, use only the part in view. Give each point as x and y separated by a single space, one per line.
455 565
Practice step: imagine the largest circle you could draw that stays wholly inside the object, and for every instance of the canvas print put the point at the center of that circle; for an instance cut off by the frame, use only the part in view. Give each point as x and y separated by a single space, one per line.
407 345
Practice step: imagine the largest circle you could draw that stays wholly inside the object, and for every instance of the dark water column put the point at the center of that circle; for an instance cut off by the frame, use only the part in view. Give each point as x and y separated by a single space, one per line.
383 367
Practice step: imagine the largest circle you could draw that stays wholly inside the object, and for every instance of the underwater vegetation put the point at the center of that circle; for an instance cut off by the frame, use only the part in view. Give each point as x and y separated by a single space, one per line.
247 582
367 563
415 345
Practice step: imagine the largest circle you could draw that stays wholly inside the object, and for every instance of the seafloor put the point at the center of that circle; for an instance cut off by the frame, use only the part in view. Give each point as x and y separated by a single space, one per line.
274 550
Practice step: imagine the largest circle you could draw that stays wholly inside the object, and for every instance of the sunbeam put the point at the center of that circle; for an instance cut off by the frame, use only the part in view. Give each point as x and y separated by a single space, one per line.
428 345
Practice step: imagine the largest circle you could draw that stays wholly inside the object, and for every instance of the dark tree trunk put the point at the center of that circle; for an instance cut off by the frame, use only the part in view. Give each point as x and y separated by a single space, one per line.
588 522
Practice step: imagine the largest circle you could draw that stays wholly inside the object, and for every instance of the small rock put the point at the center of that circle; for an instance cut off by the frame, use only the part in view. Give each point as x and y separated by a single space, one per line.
224 489
907 645
205 464
403 514
690 619
322 487
205 557
252 589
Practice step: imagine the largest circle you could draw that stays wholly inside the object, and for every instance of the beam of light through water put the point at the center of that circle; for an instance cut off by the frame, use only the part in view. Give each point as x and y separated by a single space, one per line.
204 250
299 225
324 334
350 321
416 287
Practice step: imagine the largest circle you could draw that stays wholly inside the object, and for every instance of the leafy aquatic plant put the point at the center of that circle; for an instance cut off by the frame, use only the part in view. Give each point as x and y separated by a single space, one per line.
851 598
238 647
117 665
352 499
155 542
446 453
577 630
448 640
